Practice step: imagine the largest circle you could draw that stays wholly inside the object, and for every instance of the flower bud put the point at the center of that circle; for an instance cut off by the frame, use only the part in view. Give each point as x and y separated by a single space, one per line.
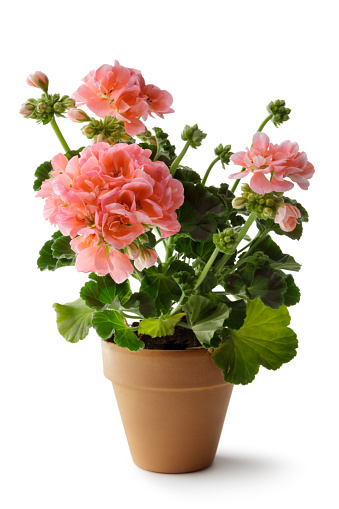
41 106
77 115
68 102
88 131
238 203
194 135
223 153
38 80
279 112
58 107
132 251
26 109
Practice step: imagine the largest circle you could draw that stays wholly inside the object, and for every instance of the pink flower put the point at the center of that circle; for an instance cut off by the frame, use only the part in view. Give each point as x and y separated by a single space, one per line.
276 162
287 216
106 199
121 92
38 80
143 257
97 257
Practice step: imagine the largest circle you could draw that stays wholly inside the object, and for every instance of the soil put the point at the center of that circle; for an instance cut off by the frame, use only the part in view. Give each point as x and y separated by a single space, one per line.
182 339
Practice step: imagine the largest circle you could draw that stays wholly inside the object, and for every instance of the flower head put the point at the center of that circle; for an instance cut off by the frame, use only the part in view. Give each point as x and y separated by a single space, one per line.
277 162
287 216
122 93
106 198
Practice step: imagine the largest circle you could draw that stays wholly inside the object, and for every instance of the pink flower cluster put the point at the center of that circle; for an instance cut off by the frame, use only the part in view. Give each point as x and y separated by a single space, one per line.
278 162
105 199
121 92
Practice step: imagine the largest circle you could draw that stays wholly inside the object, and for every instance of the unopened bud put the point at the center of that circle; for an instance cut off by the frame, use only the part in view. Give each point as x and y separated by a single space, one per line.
38 80
238 203
26 109
68 102
194 135
58 107
88 131
41 106
77 115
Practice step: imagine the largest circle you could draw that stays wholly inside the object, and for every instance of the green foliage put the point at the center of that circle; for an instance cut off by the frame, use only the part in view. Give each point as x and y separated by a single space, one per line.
205 316
198 213
56 253
269 286
165 150
185 174
158 327
73 320
159 284
109 322
102 291
264 339
142 304
42 173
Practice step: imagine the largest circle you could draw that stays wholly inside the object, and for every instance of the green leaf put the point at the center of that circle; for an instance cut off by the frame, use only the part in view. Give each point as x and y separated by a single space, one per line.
72 153
205 316
237 315
48 260
141 303
162 326
278 260
42 173
292 294
109 322
73 320
102 290
185 174
264 339
198 213
269 286
234 284
61 248
159 284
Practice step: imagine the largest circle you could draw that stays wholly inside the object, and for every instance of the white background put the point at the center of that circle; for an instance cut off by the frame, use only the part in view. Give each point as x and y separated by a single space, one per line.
62 441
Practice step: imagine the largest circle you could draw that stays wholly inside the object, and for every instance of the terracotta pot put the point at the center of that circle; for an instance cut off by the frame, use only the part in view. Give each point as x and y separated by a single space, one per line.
172 404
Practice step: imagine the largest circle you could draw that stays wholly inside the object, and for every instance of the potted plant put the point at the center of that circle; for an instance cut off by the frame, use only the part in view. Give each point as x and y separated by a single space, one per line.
213 309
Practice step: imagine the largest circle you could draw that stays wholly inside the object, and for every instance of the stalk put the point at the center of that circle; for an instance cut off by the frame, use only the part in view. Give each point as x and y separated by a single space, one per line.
59 135
208 171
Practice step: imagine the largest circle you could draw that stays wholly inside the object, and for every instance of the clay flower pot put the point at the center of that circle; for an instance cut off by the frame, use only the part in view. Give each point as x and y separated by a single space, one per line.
172 404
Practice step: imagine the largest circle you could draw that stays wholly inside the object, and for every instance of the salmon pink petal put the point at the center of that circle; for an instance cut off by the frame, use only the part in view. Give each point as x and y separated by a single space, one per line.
59 163
240 175
261 141
120 268
238 158
259 184
280 185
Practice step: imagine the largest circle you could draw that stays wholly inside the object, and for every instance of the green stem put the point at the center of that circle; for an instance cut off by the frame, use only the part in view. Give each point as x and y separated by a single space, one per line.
59 135
176 161
178 307
207 268
208 171
241 235
258 240
261 127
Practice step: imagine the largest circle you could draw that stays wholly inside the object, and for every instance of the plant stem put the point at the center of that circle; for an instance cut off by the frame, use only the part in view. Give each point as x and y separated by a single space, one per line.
207 268
178 307
176 161
59 135
258 240
261 127
208 171
241 235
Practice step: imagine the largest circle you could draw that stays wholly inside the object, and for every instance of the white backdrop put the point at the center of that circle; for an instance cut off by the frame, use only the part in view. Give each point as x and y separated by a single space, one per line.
61 439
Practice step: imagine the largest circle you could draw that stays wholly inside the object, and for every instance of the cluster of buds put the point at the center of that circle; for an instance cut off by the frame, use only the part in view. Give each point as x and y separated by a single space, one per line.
194 135
224 154
110 129
47 106
44 109
226 241
279 111
265 205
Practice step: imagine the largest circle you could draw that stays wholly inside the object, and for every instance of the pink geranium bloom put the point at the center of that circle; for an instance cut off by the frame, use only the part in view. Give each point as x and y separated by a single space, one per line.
121 92
93 256
287 216
271 164
143 257
38 80
106 198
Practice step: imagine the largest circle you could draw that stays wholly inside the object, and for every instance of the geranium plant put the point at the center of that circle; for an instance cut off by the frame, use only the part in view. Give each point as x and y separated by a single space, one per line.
114 201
